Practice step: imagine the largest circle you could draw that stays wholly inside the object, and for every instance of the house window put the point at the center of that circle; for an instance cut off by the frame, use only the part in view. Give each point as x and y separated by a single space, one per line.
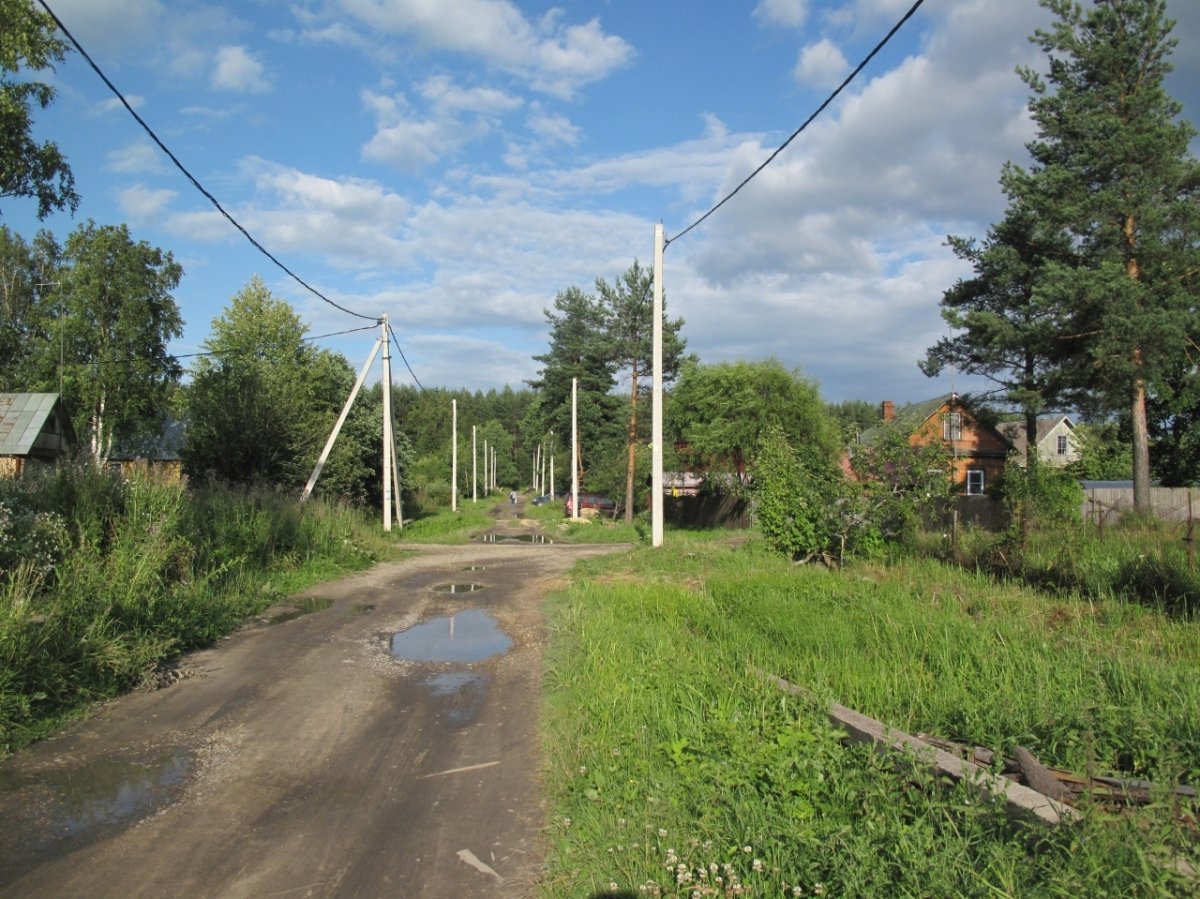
975 482
1062 444
952 426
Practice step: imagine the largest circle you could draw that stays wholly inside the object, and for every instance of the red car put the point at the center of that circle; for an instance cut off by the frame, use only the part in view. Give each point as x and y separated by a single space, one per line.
598 501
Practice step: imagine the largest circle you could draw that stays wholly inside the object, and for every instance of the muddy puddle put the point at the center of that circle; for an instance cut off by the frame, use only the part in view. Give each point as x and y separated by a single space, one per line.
492 537
457 588
300 608
463 638
69 806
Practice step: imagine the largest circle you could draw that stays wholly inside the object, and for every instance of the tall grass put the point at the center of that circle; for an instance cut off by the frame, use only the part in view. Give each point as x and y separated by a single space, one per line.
1141 560
102 577
671 763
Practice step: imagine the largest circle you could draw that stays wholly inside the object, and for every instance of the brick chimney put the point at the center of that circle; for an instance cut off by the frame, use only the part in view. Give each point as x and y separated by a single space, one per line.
888 410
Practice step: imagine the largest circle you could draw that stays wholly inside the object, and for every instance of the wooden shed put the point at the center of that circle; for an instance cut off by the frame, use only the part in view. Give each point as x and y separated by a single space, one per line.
34 430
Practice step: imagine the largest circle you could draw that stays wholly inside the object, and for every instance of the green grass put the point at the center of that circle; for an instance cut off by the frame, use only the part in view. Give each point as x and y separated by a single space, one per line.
451 527
666 748
102 578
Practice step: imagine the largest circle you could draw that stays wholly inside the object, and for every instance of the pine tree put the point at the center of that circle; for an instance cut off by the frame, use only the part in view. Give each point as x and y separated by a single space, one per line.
1111 170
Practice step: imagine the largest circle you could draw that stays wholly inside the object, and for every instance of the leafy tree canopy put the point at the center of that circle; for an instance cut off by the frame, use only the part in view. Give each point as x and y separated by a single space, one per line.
718 413
29 169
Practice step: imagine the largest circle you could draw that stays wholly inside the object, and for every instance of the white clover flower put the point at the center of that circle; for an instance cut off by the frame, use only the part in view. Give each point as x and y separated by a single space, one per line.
757 865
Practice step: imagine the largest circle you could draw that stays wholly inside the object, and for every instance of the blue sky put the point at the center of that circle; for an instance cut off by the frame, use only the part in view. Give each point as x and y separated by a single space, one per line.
456 163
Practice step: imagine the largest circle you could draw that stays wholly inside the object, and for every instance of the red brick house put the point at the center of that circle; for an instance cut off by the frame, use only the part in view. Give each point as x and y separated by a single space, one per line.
977 450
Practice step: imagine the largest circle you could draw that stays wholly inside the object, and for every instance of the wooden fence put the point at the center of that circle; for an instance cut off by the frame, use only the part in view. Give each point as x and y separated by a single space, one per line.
1106 504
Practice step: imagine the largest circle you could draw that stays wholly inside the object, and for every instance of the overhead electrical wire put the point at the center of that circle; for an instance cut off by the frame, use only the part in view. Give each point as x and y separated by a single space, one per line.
396 343
862 65
195 183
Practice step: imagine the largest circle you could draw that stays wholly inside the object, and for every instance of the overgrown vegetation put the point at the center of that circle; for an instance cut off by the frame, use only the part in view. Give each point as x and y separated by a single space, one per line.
675 770
104 577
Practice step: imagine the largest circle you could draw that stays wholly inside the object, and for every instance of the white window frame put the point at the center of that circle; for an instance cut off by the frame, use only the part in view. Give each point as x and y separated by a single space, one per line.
1063 445
976 482
952 426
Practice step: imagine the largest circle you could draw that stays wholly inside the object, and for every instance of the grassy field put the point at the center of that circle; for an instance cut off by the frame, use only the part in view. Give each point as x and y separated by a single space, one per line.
676 770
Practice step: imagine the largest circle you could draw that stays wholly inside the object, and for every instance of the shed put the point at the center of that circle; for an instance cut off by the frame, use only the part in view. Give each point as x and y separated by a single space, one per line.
34 430
158 453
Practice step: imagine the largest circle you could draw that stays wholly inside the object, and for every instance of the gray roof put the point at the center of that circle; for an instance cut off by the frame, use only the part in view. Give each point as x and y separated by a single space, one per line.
28 422
1015 430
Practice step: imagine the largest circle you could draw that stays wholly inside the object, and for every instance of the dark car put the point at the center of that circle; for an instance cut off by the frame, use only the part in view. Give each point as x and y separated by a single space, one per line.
598 501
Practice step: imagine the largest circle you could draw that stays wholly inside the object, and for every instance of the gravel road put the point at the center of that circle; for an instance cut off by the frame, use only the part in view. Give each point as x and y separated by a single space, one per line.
375 736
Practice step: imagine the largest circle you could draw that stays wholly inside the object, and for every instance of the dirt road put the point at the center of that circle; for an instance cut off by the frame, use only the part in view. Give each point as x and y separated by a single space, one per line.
374 737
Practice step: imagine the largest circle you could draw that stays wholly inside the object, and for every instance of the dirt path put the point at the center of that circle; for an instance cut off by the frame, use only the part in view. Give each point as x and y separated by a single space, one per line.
314 753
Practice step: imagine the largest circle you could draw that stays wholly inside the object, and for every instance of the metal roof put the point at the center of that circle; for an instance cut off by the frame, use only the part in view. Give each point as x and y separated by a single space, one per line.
23 417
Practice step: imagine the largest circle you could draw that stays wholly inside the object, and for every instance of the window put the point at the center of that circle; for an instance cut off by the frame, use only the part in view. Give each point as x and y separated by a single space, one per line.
952 426
975 482
1062 444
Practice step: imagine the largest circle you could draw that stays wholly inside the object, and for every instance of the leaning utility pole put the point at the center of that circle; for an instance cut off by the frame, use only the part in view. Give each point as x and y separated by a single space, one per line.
390 469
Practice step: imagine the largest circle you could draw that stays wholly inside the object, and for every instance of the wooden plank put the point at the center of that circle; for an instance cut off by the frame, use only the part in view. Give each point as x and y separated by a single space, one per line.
1020 801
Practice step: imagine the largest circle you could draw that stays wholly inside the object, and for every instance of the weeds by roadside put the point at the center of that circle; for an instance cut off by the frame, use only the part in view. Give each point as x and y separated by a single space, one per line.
103 576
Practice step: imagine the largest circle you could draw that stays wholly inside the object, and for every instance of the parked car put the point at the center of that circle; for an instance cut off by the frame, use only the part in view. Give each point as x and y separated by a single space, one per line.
598 501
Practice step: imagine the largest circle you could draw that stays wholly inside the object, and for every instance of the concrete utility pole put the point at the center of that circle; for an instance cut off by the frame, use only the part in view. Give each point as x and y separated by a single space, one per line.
487 483
474 469
574 448
454 455
656 403
362 376
388 448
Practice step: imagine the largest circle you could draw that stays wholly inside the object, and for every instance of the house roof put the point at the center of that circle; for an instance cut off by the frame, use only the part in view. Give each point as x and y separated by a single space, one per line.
23 417
1014 431
909 418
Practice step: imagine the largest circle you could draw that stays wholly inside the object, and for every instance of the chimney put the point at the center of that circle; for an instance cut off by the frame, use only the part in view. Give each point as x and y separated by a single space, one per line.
888 409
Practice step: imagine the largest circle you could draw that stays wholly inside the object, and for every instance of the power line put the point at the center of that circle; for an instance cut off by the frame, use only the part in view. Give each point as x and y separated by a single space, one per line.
862 65
396 343
200 187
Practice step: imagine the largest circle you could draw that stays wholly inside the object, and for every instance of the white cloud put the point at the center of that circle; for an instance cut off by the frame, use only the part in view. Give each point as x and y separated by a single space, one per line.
551 56
445 95
788 13
137 158
553 129
92 22
237 69
142 204
457 116
820 65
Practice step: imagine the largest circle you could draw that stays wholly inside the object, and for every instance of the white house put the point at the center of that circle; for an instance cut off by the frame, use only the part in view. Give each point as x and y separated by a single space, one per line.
1057 442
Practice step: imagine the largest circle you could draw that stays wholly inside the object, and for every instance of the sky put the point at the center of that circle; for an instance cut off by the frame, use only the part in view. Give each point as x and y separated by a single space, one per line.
456 164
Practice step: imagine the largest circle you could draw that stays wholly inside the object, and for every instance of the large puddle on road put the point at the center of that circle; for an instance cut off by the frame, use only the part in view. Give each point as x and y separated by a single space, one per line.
466 637
492 537
84 803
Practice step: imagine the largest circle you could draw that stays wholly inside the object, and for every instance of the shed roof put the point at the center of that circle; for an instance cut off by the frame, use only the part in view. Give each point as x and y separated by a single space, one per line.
23 416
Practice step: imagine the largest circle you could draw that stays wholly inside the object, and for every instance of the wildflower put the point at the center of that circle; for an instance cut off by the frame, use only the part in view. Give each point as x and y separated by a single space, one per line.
757 865
662 831
613 886
747 849
818 889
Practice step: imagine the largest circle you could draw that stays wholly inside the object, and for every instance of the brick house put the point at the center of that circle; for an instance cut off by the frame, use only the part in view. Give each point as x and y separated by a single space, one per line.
977 450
